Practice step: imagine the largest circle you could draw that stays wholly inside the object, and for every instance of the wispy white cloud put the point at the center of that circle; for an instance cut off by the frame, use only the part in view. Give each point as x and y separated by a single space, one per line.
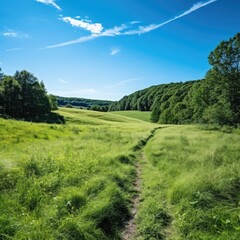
50 2
107 33
114 51
151 27
135 22
79 40
62 81
10 34
115 31
94 28
97 31
13 49
14 34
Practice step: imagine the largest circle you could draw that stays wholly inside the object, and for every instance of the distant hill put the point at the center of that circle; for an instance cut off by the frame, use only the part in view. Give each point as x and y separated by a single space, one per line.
166 99
82 102
214 100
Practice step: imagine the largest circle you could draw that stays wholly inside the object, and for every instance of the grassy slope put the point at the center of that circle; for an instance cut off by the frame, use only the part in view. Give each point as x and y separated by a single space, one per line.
145 116
191 185
74 181
71 181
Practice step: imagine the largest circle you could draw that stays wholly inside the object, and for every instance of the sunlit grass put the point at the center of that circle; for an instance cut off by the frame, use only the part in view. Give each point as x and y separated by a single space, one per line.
71 181
141 115
191 185
75 181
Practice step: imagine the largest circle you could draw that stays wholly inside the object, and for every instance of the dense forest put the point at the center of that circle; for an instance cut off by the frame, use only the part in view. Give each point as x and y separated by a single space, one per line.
214 99
101 105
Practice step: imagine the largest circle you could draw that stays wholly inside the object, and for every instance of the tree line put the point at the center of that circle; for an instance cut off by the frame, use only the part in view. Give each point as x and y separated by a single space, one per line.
23 96
91 104
214 99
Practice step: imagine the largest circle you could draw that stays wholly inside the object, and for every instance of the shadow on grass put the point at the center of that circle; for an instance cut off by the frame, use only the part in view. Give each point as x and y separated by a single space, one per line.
50 118
47 118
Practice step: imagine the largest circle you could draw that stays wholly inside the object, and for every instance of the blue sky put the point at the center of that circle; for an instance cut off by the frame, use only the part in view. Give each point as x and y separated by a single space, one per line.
105 49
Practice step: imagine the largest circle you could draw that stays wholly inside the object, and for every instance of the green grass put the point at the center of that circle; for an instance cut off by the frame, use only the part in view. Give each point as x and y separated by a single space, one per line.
144 116
75 181
71 181
191 185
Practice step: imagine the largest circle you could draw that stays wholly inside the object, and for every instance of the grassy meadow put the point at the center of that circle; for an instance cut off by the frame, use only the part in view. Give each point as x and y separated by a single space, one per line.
141 115
71 181
191 185
75 180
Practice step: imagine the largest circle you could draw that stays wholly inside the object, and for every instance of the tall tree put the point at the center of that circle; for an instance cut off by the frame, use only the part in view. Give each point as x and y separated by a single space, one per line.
223 80
34 99
10 94
53 102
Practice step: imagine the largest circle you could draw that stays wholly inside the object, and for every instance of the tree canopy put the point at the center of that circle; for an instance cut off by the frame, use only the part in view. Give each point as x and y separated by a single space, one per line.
22 96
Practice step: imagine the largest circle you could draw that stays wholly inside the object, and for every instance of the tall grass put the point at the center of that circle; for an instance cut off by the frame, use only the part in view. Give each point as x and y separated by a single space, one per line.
191 185
75 181
71 181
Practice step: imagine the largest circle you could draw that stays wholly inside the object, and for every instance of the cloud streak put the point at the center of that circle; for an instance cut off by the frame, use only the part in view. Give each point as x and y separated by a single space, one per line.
112 32
13 49
14 34
50 2
151 27
114 51
94 28
62 81
10 34
127 29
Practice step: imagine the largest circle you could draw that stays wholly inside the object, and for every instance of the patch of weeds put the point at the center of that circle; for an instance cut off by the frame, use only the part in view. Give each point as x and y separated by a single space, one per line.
8 228
35 136
9 178
46 137
32 168
72 231
31 195
127 159
75 201
153 221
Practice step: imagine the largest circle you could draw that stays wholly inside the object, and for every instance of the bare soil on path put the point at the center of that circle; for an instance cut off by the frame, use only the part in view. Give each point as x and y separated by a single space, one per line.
130 227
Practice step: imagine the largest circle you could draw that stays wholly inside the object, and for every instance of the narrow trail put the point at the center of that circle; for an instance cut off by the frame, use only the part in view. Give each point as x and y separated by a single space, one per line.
130 230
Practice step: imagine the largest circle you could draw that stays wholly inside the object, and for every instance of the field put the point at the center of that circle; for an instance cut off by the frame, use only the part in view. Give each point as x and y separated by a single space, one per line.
71 181
191 185
144 116
76 181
